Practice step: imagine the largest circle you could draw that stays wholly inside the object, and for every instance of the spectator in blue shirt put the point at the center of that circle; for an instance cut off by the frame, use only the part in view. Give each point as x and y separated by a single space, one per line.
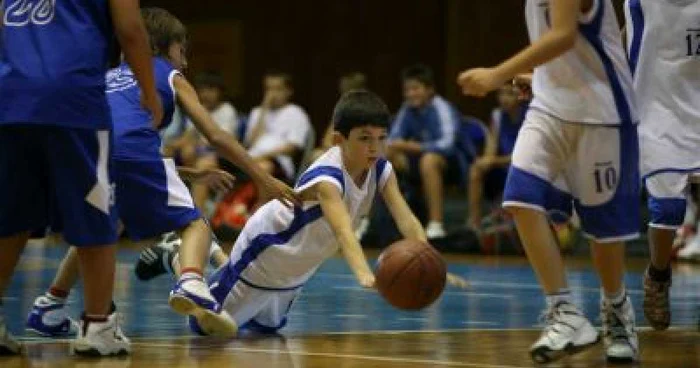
423 135
490 170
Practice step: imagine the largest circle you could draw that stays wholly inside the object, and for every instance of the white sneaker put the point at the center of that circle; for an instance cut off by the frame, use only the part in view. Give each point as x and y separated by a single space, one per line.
435 230
101 338
191 297
691 250
566 332
619 332
8 344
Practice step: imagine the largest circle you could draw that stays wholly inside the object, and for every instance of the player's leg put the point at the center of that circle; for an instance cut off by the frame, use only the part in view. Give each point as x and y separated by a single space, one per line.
432 165
607 175
200 191
667 206
542 150
273 317
83 193
48 316
24 196
475 192
239 300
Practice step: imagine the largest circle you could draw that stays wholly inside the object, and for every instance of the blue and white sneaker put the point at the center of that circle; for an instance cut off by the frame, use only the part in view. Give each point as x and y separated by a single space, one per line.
191 297
49 318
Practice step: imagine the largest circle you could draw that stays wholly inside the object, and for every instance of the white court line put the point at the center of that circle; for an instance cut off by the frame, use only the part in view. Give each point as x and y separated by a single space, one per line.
343 356
505 285
465 293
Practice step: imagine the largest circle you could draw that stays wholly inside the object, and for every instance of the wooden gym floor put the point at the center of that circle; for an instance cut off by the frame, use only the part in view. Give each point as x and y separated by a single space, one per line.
337 324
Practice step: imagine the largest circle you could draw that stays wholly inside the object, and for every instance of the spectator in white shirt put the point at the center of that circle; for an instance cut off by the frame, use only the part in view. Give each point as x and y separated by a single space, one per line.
278 129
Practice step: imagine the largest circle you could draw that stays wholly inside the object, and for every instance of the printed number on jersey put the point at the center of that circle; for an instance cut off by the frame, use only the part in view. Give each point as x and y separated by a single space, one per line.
20 13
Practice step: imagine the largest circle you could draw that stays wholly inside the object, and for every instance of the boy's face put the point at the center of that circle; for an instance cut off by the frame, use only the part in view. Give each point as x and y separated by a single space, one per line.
177 55
277 93
363 146
209 96
508 97
416 93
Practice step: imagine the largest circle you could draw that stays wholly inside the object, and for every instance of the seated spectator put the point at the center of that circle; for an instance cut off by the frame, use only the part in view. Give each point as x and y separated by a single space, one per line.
278 129
422 140
490 170
348 82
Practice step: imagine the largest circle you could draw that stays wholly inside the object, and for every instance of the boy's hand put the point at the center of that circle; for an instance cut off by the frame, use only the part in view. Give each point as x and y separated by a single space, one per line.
217 179
480 81
273 188
523 82
366 280
457 281
154 106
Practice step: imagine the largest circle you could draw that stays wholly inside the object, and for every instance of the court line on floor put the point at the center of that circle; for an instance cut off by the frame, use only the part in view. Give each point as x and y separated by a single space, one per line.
342 356
504 285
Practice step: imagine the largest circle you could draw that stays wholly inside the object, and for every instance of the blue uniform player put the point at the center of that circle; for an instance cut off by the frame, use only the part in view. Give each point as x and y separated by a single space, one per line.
151 197
55 134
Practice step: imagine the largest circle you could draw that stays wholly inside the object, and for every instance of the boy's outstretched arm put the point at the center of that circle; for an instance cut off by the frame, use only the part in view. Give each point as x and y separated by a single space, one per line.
559 39
227 145
132 37
335 212
408 224
406 221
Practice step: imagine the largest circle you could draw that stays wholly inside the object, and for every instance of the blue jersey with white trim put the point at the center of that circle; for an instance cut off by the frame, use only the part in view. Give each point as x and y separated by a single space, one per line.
134 135
53 56
590 83
281 248
435 126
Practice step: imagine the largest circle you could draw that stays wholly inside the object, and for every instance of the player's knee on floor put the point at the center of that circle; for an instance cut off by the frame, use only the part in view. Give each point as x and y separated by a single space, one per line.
666 212
257 327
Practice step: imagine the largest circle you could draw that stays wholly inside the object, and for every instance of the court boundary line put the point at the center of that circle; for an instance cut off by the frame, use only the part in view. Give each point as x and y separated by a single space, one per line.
340 356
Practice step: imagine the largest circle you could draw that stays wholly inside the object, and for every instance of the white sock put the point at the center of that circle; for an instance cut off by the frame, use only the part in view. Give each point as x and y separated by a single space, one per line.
561 296
615 299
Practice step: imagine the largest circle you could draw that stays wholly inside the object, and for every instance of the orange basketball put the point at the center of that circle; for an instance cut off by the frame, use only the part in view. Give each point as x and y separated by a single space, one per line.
410 274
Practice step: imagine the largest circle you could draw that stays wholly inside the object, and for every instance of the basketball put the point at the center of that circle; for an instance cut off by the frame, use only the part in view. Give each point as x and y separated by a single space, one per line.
410 274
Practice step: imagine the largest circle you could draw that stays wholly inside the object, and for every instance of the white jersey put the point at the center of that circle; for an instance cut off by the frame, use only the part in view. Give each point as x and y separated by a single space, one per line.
590 83
663 39
281 248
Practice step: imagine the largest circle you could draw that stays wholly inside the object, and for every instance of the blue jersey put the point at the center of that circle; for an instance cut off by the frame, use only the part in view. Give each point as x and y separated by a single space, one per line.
507 129
134 136
435 126
53 56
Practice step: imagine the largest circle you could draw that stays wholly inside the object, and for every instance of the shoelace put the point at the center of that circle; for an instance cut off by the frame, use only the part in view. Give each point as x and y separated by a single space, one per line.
617 323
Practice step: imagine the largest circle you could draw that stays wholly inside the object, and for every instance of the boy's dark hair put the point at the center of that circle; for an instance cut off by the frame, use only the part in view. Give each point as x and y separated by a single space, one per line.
419 72
359 108
163 29
285 77
210 79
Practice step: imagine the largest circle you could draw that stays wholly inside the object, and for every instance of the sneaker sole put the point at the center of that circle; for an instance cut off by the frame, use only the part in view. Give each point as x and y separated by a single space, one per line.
213 324
5 351
612 359
95 353
45 334
543 355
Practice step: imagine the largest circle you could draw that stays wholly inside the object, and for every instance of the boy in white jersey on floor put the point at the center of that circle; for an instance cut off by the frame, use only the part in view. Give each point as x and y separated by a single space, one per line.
663 39
578 146
280 248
